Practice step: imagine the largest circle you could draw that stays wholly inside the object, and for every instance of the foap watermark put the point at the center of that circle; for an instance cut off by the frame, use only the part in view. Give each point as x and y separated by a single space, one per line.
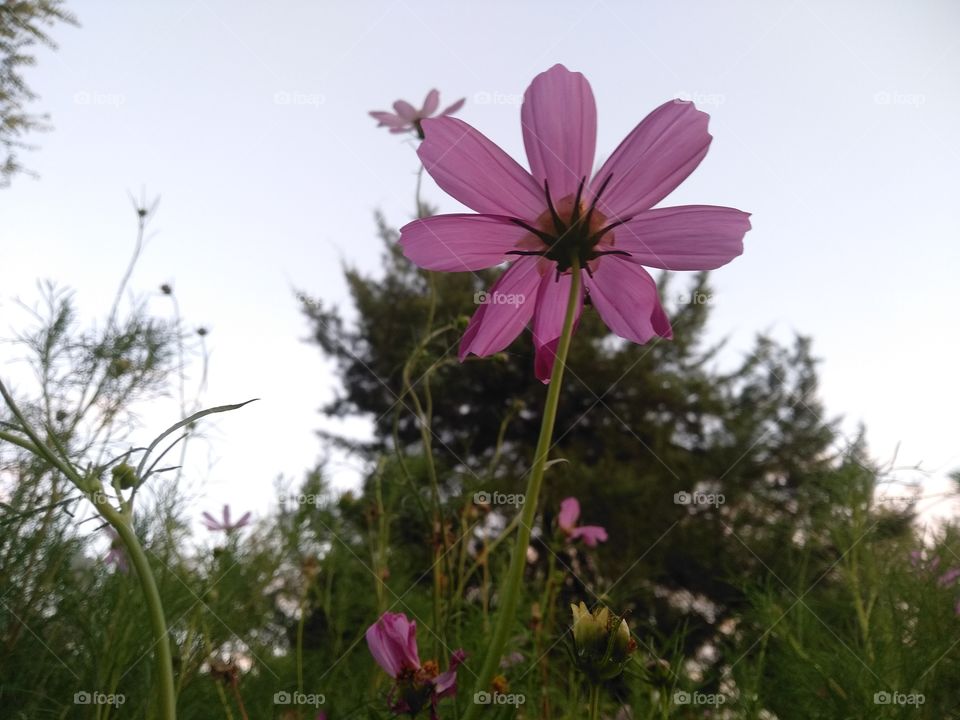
300 499
298 698
698 498
682 697
696 297
702 99
482 297
99 99
303 99
485 97
888 97
498 498
98 698
898 698
482 697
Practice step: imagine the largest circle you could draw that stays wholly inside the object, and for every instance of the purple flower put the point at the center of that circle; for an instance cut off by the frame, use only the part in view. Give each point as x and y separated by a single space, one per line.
949 577
408 119
393 643
555 215
224 524
567 520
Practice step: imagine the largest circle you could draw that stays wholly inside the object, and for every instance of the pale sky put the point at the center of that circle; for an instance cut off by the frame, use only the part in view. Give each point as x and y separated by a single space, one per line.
833 123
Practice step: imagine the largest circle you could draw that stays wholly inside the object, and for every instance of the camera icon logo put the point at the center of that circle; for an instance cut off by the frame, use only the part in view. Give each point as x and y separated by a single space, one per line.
481 498
482 697
282 698
82 698
881 698
681 697
682 498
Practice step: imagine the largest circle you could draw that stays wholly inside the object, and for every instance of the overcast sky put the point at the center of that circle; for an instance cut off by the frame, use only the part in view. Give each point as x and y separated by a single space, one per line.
835 124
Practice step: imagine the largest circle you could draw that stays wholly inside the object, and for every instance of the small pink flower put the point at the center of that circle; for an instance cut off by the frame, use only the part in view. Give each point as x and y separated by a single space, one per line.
567 520
545 219
393 643
408 119
224 524
949 577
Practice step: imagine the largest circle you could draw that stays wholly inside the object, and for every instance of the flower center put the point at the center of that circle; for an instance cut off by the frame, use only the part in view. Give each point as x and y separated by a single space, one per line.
570 231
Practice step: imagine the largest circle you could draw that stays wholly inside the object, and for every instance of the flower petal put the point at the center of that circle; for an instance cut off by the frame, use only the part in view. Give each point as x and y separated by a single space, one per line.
476 172
687 237
430 103
453 108
459 242
548 320
569 513
627 299
590 534
653 159
405 110
393 643
497 323
386 119
559 118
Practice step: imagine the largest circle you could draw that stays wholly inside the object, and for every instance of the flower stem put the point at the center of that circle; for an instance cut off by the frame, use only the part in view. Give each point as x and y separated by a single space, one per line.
158 623
594 702
510 591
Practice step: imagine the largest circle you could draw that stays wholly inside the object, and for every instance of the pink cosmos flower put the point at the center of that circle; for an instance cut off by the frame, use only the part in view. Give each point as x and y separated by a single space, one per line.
567 520
224 524
393 643
559 212
408 119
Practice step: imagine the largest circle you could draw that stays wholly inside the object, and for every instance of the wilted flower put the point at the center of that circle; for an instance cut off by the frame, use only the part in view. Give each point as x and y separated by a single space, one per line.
567 520
602 642
393 643
406 118
556 215
225 524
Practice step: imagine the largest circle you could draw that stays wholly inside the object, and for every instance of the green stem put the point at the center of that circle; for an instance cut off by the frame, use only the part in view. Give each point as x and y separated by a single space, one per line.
158 623
594 702
510 593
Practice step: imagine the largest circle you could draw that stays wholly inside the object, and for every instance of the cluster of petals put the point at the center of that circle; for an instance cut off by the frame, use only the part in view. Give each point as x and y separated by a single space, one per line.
567 521
225 524
406 118
535 219
392 641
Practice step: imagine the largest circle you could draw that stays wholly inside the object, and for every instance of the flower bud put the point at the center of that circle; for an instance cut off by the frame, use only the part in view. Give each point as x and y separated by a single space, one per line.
602 642
124 475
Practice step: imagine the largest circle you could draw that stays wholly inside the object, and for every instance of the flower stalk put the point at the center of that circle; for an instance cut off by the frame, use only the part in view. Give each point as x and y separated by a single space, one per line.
509 594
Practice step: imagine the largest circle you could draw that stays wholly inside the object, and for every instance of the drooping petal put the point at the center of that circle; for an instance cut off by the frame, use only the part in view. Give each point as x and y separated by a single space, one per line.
405 110
449 110
569 514
430 104
389 120
627 300
548 318
559 118
507 309
590 534
687 237
460 242
393 643
472 169
445 684
653 159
